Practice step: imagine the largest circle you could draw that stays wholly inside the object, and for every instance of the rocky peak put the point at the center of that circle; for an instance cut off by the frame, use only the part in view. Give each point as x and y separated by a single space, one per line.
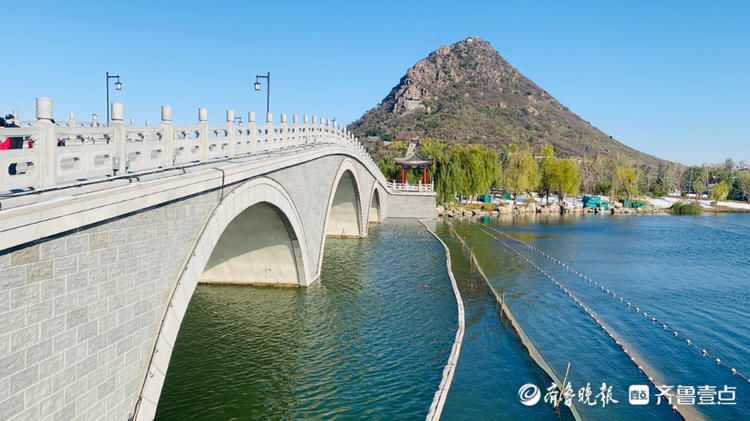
466 92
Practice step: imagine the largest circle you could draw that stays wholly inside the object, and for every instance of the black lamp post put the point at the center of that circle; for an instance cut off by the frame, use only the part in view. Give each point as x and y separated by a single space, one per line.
118 86
268 89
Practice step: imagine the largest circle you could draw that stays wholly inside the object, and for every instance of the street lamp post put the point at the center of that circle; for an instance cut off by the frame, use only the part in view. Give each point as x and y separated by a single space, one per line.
268 89
118 86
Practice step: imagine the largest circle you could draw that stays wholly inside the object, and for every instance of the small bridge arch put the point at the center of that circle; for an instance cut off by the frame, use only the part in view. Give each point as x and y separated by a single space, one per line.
375 213
344 211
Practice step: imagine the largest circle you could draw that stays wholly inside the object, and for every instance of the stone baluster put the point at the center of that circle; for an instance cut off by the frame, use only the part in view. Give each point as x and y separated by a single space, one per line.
117 126
203 132
269 128
253 131
314 129
295 129
132 121
46 142
231 133
71 119
94 122
283 128
167 137
306 129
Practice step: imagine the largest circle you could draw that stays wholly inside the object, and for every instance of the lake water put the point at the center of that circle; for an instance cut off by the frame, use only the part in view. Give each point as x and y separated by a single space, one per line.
371 338
369 341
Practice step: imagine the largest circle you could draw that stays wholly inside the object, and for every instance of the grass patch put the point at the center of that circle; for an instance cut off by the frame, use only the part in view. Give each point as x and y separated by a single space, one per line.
685 208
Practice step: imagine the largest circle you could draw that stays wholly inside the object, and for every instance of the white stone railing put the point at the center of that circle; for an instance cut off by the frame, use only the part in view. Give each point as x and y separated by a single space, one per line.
93 151
410 187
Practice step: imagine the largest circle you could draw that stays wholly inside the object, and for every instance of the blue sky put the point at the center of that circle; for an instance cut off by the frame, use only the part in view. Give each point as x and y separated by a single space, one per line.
671 78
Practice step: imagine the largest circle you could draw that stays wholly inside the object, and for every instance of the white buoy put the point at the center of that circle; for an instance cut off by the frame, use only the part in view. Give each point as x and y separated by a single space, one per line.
688 341
733 371
704 352
718 361
675 333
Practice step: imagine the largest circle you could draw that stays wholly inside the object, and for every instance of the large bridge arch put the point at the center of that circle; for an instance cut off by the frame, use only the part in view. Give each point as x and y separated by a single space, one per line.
280 246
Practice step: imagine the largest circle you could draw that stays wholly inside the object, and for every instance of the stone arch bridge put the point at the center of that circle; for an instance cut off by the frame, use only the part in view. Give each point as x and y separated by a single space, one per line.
103 241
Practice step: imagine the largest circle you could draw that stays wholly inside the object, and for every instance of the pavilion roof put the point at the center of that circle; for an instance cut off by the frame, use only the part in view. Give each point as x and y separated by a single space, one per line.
414 160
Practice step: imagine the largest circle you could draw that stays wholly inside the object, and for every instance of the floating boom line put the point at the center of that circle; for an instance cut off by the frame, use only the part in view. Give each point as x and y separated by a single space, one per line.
525 340
441 395
629 306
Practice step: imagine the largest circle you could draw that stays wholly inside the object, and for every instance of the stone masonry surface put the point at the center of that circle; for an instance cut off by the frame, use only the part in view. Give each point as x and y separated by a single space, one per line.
79 312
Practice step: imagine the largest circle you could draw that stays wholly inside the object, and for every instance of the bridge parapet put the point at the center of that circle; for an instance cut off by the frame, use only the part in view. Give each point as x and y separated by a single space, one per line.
74 152
426 188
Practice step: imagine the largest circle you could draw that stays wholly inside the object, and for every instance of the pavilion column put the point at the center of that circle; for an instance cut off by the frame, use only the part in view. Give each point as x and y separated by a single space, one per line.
403 175
424 175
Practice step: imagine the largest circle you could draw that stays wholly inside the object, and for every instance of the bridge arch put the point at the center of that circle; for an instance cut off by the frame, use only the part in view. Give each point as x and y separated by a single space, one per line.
375 213
344 213
220 254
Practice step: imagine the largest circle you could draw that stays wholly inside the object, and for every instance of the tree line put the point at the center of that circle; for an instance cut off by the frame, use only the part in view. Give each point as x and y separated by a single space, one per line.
475 169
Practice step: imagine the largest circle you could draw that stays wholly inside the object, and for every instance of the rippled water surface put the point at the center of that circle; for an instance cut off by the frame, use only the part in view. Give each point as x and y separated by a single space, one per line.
689 272
369 341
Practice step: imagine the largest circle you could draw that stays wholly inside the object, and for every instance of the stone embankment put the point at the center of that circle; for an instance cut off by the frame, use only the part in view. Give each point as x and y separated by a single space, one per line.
458 211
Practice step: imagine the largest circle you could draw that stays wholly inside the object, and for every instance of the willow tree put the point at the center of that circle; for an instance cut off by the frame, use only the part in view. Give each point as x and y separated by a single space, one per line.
521 171
546 169
447 173
627 178
467 171
744 180
390 170
480 165
719 191
565 178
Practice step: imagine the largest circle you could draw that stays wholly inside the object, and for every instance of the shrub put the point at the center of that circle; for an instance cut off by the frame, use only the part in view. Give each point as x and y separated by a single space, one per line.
686 208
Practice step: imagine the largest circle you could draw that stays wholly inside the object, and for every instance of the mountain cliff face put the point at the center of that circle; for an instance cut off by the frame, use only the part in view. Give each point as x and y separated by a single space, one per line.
466 92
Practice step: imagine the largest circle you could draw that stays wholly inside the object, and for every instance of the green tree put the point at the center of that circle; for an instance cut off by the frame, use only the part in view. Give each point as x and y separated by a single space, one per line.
744 181
521 171
565 178
626 177
390 170
547 165
719 191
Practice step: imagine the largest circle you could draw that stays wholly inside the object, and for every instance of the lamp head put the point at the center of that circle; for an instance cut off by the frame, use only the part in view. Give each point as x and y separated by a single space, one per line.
118 85
257 86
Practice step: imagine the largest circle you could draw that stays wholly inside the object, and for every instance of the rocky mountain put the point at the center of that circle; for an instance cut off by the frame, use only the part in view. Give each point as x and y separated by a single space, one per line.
466 92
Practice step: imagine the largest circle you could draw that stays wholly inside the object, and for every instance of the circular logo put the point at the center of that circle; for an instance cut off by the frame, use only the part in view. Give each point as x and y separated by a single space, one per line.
529 394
